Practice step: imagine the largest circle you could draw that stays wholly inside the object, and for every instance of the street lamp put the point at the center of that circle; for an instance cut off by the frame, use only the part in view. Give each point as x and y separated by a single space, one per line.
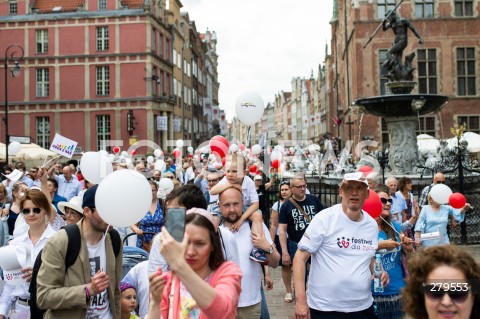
14 53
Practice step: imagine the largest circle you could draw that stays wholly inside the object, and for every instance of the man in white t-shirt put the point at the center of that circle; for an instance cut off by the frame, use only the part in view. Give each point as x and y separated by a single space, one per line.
230 202
342 241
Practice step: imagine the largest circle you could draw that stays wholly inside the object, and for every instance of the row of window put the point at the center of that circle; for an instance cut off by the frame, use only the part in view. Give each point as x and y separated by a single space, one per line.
428 74
426 8
42 131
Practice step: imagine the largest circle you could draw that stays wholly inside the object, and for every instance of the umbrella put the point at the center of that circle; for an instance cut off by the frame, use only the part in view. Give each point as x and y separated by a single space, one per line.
28 152
427 142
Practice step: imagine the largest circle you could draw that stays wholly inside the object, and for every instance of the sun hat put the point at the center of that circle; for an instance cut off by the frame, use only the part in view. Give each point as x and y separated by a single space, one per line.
74 203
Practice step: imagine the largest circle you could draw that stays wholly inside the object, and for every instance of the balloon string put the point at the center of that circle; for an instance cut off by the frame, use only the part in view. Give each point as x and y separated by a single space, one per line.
248 135
50 160
390 226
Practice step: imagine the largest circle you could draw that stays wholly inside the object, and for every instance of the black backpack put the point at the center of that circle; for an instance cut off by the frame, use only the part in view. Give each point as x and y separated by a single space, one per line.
73 249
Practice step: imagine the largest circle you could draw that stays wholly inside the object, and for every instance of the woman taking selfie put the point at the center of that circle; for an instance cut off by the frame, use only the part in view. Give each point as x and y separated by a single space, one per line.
434 273
201 284
35 209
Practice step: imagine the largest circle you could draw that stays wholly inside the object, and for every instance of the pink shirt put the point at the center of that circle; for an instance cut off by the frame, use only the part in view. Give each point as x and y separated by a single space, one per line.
226 281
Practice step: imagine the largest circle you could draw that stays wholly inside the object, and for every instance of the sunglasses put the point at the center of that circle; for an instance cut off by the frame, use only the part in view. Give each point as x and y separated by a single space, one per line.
440 182
434 293
35 210
385 201
171 177
285 183
210 181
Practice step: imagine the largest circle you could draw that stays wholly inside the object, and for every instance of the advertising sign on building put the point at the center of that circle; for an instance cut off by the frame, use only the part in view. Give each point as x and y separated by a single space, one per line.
162 123
176 125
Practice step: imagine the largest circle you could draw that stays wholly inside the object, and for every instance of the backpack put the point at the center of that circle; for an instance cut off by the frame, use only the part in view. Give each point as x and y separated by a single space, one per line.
73 249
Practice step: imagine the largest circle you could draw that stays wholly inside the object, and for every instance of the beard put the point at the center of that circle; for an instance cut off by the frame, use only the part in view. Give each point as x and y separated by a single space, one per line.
231 219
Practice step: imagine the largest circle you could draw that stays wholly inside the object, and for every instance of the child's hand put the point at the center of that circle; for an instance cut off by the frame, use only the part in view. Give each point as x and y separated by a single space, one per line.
235 227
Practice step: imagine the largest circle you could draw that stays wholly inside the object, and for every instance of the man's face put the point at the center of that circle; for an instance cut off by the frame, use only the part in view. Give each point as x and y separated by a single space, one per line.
67 173
439 179
157 175
96 222
212 179
298 187
33 173
353 194
230 203
392 186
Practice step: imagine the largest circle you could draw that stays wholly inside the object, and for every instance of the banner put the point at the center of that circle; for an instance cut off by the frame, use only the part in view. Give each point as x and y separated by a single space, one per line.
176 124
63 146
162 123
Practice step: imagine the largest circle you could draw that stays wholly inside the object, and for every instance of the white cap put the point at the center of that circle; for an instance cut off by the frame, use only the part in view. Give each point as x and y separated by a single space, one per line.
356 177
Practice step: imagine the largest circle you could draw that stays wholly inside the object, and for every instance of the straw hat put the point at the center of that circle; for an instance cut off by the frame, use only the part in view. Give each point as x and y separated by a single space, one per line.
75 203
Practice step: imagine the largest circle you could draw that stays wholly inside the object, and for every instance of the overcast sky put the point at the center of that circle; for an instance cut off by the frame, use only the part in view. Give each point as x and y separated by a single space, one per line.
262 44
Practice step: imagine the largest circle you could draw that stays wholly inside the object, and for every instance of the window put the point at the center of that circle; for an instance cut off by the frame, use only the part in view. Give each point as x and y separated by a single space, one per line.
42 41
160 44
466 71
168 50
425 125
155 81
424 8
427 71
103 131
383 6
471 122
12 6
174 87
43 131
102 38
382 57
102 4
168 86
463 8
103 80
42 85
154 40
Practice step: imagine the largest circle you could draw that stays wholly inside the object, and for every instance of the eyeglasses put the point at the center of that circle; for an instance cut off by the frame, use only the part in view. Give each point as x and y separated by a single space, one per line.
71 211
434 293
300 186
35 210
385 201
211 181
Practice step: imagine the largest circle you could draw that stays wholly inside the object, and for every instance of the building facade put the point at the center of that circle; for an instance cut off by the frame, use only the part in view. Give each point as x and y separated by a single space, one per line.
101 70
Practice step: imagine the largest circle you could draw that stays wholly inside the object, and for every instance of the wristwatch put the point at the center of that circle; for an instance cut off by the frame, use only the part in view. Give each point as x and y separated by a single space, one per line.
270 250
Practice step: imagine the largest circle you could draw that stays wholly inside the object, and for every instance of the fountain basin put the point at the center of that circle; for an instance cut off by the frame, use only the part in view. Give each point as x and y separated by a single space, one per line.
401 104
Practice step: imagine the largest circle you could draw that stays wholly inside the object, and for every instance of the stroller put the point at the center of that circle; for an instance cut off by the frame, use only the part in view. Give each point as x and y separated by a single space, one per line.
132 255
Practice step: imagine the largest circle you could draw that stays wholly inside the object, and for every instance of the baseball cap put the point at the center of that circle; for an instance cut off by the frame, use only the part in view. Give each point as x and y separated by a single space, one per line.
257 177
89 197
354 177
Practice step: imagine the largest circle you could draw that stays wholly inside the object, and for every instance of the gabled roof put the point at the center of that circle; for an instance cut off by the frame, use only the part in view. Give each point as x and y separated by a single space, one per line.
47 6
133 4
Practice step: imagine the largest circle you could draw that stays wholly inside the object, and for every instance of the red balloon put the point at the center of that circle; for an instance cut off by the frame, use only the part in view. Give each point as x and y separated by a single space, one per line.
219 146
176 153
224 160
457 200
373 205
133 152
241 147
275 163
253 169
365 169
116 149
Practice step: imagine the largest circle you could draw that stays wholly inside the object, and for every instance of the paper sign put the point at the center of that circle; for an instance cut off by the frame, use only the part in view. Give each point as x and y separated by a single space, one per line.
14 176
8 258
162 123
14 276
63 146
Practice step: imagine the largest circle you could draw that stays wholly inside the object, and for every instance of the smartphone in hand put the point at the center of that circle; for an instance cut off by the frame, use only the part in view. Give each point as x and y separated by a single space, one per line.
175 223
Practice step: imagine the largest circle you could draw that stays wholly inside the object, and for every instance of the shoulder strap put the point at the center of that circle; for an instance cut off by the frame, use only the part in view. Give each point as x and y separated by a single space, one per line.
115 237
300 209
74 243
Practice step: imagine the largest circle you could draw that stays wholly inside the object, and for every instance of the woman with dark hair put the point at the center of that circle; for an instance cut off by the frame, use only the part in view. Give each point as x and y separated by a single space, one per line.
405 186
36 210
151 222
283 194
202 284
18 192
443 283
52 188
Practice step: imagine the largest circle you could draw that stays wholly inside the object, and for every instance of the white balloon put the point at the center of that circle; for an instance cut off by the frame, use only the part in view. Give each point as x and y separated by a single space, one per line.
166 185
276 155
157 153
190 149
256 149
95 167
111 157
249 108
124 153
160 166
103 153
150 159
14 147
123 198
206 150
179 143
440 193
233 148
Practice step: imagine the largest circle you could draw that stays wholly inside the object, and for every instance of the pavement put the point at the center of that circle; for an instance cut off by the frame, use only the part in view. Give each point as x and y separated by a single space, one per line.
279 309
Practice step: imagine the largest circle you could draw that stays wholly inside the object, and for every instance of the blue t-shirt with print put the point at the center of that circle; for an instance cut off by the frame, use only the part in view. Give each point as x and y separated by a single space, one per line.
391 264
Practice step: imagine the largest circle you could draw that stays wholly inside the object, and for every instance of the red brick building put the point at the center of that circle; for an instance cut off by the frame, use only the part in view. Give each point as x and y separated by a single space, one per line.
448 63
92 70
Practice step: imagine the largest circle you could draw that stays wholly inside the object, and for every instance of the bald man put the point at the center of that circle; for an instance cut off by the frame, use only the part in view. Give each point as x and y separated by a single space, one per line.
438 178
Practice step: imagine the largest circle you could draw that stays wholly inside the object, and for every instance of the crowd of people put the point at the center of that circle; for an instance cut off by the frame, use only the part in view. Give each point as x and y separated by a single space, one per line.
233 236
